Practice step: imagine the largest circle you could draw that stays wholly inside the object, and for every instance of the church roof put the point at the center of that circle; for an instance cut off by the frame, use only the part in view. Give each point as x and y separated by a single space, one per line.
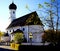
6 34
29 19
18 31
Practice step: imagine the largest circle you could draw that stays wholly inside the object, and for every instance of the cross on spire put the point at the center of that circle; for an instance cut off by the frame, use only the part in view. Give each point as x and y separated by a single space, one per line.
12 1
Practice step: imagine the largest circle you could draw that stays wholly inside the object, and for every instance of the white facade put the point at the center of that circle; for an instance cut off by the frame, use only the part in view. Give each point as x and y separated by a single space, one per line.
12 15
5 38
36 31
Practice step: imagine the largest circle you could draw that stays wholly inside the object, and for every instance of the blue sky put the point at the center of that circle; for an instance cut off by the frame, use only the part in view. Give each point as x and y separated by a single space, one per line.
21 10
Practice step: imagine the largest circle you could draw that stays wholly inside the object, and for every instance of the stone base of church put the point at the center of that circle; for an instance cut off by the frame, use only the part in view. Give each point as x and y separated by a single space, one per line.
35 44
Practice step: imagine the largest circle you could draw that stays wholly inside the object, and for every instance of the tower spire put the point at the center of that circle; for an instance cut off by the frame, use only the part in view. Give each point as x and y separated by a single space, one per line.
12 8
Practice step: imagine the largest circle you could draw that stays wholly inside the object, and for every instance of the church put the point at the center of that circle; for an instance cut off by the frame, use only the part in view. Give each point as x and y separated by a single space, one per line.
29 23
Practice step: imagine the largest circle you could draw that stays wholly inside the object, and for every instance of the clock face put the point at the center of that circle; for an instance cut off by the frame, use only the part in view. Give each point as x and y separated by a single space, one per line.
13 12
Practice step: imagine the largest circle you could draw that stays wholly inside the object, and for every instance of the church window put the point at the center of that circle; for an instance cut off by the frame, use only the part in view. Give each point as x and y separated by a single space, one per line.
10 30
23 29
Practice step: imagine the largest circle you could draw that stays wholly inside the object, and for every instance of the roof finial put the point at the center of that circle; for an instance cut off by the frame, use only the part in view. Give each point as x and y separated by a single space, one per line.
12 1
12 5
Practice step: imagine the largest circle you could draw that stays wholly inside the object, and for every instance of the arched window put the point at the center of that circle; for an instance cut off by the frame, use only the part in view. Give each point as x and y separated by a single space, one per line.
23 29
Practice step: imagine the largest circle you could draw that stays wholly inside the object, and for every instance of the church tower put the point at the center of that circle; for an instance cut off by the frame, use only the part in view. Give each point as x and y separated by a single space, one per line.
12 8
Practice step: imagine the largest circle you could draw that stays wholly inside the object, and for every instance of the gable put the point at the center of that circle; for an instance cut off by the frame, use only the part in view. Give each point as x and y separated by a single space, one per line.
33 20
29 19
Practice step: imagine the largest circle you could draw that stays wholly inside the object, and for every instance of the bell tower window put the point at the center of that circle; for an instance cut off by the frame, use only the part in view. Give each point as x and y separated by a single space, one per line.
13 12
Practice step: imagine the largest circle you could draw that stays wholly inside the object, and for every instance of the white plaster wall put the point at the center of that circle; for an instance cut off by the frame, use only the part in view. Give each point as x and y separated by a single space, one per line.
13 28
5 38
25 31
35 28
36 31
12 15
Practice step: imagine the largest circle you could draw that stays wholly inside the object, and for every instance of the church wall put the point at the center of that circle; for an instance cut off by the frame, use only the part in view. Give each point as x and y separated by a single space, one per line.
10 30
25 30
35 28
36 31
12 15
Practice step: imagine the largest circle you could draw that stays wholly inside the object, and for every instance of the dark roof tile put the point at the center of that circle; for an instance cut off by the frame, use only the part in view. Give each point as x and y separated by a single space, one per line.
6 34
17 31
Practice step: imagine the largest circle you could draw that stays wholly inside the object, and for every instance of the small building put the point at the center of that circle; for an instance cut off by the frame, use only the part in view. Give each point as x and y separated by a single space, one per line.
5 38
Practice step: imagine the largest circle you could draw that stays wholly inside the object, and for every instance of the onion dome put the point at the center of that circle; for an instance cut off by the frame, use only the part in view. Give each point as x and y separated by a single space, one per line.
12 6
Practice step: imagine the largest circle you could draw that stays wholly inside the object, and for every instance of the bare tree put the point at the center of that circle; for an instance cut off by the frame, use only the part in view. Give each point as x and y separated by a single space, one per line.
50 16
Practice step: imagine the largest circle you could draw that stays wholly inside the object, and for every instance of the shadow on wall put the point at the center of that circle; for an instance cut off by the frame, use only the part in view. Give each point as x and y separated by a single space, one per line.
24 40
